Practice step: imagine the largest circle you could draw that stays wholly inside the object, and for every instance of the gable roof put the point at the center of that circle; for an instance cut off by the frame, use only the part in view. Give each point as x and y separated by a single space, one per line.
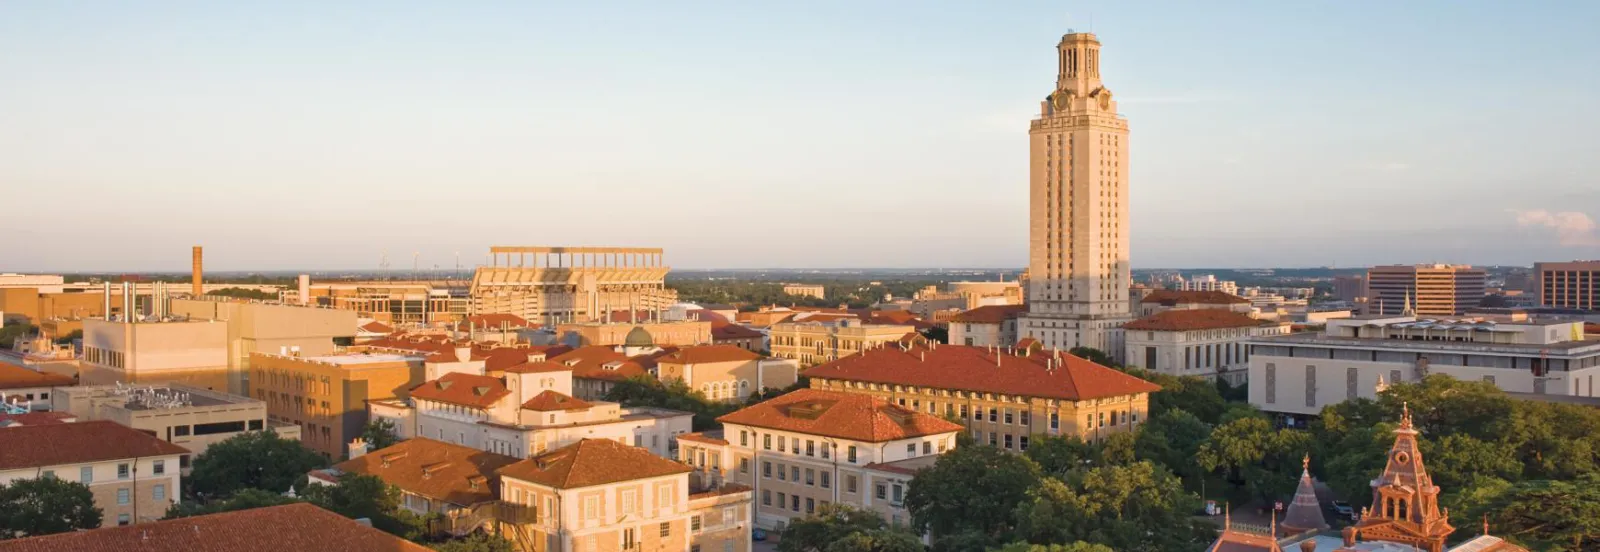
377 327
551 401
1193 319
852 416
988 370
434 469
591 462
285 528
17 377
603 362
990 314
1175 297
462 389
702 354
32 446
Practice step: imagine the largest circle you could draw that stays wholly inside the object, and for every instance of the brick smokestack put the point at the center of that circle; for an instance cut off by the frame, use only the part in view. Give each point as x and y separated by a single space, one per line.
197 273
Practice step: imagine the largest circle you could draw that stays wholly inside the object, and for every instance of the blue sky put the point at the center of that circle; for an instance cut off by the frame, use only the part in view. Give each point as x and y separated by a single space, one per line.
797 134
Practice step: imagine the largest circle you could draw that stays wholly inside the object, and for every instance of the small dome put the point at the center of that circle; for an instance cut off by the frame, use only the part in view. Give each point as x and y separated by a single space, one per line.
638 337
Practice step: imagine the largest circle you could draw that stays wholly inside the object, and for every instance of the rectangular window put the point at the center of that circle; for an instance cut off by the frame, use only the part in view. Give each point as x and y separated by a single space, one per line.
159 492
811 477
927 447
811 505
783 473
766 497
881 491
899 494
963 411
794 473
1022 443
826 480
663 498
744 465
1027 418
850 454
666 528
766 470
591 507
1008 440
766 441
1311 386
911 449
1272 383
1009 417
811 448
628 502
159 467
122 519
629 539
782 444
694 523
993 440
849 483
218 427
794 502
994 414
86 475
122 497
825 453
744 440
122 471
1055 421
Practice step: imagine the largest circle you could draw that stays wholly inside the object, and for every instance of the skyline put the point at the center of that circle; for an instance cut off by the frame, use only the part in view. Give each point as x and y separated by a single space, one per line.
899 140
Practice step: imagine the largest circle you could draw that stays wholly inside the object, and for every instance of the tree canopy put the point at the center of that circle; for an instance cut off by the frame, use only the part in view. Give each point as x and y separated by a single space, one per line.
31 507
841 528
251 460
971 489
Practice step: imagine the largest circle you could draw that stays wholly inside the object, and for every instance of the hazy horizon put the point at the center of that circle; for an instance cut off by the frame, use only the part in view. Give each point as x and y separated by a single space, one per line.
825 134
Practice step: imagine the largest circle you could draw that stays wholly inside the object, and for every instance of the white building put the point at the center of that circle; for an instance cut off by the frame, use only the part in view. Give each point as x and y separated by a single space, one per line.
1208 343
1353 357
1208 282
987 326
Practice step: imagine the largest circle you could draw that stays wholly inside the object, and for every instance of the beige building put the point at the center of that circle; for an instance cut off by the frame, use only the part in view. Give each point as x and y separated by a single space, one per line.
813 342
1165 300
254 327
24 388
187 351
1078 264
1003 395
133 476
1426 290
805 290
186 416
929 301
990 326
395 302
547 285
810 448
663 333
1573 285
1208 343
598 495
327 395
726 373
1299 374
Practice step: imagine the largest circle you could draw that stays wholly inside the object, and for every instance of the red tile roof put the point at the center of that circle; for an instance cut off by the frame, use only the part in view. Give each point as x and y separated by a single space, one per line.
1174 297
463 389
500 358
32 446
537 367
551 401
591 462
1193 319
288 528
838 414
17 377
702 438
377 327
703 354
901 317
990 314
435 469
980 369
36 418
721 328
603 362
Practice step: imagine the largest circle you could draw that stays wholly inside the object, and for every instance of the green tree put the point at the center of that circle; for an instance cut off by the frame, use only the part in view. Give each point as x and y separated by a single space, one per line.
1079 546
1254 456
1198 396
67 339
30 507
244 499
10 332
1094 355
1550 515
1117 449
673 394
380 433
970 489
251 460
1057 455
841 528
244 293
1136 507
365 496
1172 439
1458 460
476 542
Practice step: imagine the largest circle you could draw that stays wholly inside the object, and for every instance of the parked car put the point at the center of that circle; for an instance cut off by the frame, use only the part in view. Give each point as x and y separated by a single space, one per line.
758 535
1343 509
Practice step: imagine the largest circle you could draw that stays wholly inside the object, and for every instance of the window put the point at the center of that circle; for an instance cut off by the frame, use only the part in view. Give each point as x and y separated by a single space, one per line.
794 502
994 414
993 440
1311 386
766 441
1008 440
159 467
782 444
927 447
850 454
766 497
783 474
849 483
744 440
766 470
811 477
49 473
666 528
629 501
122 519
122 497
744 465
1022 443
1055 421
86 475
811 448
629 539
1272 383
881 491
825 453
911 449
963 411
1026 417
591 507
123 471
899 493
1009 417
826 480
218 427
811 505
794 473
159 492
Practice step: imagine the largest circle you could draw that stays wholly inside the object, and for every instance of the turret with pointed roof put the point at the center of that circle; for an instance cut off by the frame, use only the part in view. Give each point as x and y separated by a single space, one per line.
1405 502
1305 512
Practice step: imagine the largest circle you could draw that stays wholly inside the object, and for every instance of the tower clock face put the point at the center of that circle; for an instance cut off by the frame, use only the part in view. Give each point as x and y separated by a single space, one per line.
1401 457
1105 100
1063 100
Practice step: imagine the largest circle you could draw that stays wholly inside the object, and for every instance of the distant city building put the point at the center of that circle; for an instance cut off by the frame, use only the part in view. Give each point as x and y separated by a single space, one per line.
190 417
989 326
326 395
1209 282
1573 285
1166 300
1078 262
1003 395
810 448
132 475
930 301
1208 343
547 285
1301 373
1426 290
816 342
1350 288
805 290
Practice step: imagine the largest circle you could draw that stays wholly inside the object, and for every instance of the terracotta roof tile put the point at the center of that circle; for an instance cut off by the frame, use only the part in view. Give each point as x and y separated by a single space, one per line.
377 327
837 414
990 314
17 377
701 354
537 367
591 462
36 418
1193 319
1174 297
602 362
500 358
708 437
434 469
551 401
293 527
32 446
956 367
721 328
462 389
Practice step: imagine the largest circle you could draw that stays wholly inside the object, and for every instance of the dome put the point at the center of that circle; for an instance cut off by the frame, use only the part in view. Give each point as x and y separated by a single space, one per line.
638 337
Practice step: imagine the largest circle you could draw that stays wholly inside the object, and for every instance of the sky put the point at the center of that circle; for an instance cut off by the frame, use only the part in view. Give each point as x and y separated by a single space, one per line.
817 134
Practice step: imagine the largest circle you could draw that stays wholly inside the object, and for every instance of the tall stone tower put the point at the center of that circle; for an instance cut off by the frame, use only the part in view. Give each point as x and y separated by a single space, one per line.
1078 209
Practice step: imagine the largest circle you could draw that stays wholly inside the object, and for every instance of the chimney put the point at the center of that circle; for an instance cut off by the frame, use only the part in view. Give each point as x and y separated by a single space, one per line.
305 289
196 276
107 313
359 447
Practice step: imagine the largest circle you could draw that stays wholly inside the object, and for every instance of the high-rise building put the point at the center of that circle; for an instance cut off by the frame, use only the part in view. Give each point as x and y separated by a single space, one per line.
1574 285
1349 288
1425 290
1078 208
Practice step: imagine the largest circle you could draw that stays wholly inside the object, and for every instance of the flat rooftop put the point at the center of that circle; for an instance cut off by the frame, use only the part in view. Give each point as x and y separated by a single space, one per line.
1318 338
361 358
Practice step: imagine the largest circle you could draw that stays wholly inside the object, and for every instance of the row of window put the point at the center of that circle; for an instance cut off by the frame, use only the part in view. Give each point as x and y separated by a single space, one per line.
124 471
792 473
793 501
